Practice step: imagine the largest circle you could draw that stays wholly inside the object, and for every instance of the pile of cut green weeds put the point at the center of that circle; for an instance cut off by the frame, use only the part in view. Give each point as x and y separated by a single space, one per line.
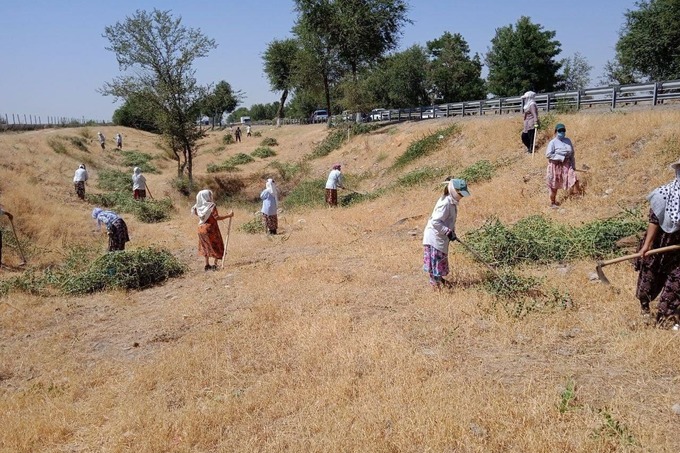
82 272
119 198
137 159
426 145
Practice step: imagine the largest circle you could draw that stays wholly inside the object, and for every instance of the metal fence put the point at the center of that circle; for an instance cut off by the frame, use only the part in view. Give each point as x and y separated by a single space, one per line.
13 121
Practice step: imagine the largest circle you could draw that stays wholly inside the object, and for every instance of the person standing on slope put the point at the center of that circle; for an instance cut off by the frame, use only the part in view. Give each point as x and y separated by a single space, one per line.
79 181
332 184
530 120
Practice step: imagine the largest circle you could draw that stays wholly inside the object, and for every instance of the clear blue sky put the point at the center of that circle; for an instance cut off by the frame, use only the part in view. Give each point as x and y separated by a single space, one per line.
54 57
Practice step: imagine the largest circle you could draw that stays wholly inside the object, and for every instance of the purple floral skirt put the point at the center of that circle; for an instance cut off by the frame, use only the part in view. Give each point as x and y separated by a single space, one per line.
436 264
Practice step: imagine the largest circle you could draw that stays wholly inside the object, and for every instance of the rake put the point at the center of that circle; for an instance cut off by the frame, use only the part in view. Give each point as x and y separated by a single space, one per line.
600 264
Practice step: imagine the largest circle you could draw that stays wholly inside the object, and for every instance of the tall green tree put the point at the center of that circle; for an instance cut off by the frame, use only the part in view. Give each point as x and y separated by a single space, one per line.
341 34
156 53
522 58
452 74
137 114
649 43
220 100
575 73
279 65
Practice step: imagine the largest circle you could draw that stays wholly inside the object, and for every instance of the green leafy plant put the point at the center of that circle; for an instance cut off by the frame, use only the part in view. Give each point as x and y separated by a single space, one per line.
253 226
419 176
228 139
182 185
224 166
425 146
482 170
239 159
337 137
308 193
137 159
263 152
268 141
567 397
615 429
115 181
289 170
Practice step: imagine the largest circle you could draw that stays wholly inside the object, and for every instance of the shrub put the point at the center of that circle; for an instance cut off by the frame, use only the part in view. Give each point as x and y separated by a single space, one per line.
239 159
253 226
420 176
57 145
257 134
263 152
356 197
288 170
268 141
115 181
228 139
149 211
425 146
224 166
79 142
131 269
482 170
182 185
337 137
137 159
306 194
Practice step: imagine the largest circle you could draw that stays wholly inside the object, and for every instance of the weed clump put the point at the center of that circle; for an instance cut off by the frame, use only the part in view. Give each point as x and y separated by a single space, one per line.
263 152
79 143
137 159
425 146
269 141
420 176
228 139
540 240
252 226
337 137
239 159
308 193
288 170
57 145
224 166
149 211
482 170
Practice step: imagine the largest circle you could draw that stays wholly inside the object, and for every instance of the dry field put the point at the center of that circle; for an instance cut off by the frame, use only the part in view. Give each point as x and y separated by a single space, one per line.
327 337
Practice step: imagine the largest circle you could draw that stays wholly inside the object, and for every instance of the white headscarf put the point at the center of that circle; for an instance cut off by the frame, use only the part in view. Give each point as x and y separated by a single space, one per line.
665 202
530 99
204 205
271 187
136 171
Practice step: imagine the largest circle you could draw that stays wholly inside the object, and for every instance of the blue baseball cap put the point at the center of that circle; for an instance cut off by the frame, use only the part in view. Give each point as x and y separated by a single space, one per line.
461 186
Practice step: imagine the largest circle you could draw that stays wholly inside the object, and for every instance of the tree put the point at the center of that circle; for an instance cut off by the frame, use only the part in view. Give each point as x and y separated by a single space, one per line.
339 34
156 53
452 74
649 43
616 74
136 114
279 65
575 73
221 99
522 58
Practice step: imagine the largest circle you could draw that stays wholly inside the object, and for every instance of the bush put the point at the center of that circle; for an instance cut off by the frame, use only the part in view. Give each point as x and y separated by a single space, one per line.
137 159
425 146
420 176
253 226
115 181
57 145
337 137
268 141
239 159
224 166
288 170
131 269
257 134
263 152
536 239
182 185
306 194
228 139
79 143
482 170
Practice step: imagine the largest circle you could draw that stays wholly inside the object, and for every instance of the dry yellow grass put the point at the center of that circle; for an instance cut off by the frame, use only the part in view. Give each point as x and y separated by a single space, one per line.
327 337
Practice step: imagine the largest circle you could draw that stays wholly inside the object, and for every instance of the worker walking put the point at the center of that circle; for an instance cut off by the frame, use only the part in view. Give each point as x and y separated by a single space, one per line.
79 181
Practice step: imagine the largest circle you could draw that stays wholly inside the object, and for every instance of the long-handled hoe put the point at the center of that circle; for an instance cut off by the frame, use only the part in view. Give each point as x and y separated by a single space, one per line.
600 264
226 243
481 260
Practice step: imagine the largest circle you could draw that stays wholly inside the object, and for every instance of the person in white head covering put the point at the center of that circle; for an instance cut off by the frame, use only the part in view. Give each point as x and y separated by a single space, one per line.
210 243
138 184
102 140
119 141
530 120
270 202
440 230
79 181
660 274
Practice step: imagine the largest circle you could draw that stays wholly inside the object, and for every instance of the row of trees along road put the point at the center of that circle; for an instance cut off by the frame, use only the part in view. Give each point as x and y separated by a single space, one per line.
339 57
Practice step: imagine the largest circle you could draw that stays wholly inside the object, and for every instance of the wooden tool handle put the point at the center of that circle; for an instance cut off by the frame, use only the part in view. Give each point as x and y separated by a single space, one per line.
669 248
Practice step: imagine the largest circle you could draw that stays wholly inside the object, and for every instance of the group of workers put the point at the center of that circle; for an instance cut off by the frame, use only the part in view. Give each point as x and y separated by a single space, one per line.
102 140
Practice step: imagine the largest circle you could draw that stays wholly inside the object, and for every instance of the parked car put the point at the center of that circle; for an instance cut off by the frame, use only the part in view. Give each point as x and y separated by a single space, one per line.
379 115
319 116
434 113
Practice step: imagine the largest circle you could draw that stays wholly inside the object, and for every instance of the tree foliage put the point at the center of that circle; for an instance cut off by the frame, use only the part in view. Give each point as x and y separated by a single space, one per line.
156 52
649 43
452 74
221 99
575 73
137 114
279 65
522 58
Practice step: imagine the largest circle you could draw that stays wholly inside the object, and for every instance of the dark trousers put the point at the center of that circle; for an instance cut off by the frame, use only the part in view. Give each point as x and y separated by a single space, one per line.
528 139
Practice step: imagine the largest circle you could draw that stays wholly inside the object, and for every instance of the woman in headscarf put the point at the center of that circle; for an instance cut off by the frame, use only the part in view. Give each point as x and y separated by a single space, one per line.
334 181
440 230
530 120
79 181
270 202
138 184
115 227
660 274
210 243
561 172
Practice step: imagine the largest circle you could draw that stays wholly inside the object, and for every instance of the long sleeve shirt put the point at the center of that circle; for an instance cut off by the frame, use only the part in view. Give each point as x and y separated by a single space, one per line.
442 220
106 218
530 117
561 149
81 175
269 203
334 179
138 182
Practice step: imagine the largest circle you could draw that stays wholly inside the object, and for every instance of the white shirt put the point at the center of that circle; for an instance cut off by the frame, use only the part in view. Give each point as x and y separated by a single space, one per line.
81 175
138 182
442 220
561 149
334 179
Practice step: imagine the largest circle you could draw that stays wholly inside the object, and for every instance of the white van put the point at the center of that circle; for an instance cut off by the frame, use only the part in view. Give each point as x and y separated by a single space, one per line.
245 120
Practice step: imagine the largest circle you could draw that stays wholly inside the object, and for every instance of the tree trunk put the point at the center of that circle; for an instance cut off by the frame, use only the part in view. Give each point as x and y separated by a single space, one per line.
327 91
280 113
190 163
